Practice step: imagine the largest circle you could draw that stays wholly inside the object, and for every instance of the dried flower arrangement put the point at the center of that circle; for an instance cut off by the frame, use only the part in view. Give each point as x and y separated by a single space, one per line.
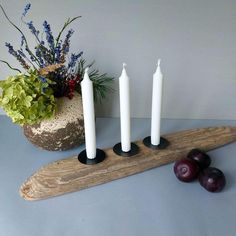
49 73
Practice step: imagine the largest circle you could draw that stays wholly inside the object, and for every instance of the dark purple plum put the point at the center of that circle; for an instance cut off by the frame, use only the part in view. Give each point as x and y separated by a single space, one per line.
202 159
186 170
212 179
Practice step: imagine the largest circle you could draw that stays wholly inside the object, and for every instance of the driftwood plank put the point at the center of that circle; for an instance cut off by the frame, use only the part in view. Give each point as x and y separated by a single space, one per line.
70 175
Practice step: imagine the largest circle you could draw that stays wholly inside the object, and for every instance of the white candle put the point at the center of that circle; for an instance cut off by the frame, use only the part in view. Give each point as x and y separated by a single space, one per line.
89 118
124 110
156 105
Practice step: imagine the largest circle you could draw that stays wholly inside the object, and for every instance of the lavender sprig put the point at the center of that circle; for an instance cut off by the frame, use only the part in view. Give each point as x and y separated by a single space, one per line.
49 36
26 43
67 23
66 45
58 51
73 59
39 54
27 7
33 30
20 52
45 54
17 56
30 24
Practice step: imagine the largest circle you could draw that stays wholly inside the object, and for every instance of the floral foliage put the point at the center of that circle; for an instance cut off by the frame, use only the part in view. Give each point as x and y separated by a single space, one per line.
27 99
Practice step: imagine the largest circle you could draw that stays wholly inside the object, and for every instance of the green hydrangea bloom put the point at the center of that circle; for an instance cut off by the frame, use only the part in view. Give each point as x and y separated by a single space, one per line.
27 99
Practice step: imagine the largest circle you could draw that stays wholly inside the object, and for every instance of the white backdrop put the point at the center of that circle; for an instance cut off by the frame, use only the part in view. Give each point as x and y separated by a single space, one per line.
195 39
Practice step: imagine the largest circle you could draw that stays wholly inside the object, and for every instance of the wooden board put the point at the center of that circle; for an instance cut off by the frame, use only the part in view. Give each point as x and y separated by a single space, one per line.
70 175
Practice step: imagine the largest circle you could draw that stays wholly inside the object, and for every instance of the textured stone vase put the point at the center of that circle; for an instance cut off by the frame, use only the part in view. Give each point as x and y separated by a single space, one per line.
64 131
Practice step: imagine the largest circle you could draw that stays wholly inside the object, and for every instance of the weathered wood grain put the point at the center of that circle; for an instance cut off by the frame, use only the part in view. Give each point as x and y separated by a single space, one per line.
70 175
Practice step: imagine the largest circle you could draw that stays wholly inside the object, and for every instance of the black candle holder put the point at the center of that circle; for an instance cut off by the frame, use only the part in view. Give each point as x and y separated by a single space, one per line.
133 151
100 156
164 143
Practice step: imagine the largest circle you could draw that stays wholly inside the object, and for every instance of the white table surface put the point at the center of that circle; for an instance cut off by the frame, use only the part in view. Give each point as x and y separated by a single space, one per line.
150 203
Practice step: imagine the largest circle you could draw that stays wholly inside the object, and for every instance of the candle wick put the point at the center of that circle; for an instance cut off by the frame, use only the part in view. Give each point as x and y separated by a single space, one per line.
158 62
86 70
124 65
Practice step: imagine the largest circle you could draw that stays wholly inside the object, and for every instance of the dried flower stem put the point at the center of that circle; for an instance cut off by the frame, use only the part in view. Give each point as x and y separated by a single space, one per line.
10 66
36 59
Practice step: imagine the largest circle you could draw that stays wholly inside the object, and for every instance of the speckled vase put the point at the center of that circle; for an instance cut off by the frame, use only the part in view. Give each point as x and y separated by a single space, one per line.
64 131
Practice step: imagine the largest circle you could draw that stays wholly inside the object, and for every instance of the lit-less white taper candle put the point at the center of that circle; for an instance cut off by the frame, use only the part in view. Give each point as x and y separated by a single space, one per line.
156 105
124 110
89 117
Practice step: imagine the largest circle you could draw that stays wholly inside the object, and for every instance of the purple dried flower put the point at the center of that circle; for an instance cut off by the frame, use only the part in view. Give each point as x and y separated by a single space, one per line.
42 79
44 56
17 56
66 45
32 58
39 55
11 49
58 53
27 7
73 59
30 53
21 53
33 29
49 36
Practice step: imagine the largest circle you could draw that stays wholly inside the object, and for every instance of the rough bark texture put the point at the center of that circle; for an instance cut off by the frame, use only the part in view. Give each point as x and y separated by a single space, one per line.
70 175
64 131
